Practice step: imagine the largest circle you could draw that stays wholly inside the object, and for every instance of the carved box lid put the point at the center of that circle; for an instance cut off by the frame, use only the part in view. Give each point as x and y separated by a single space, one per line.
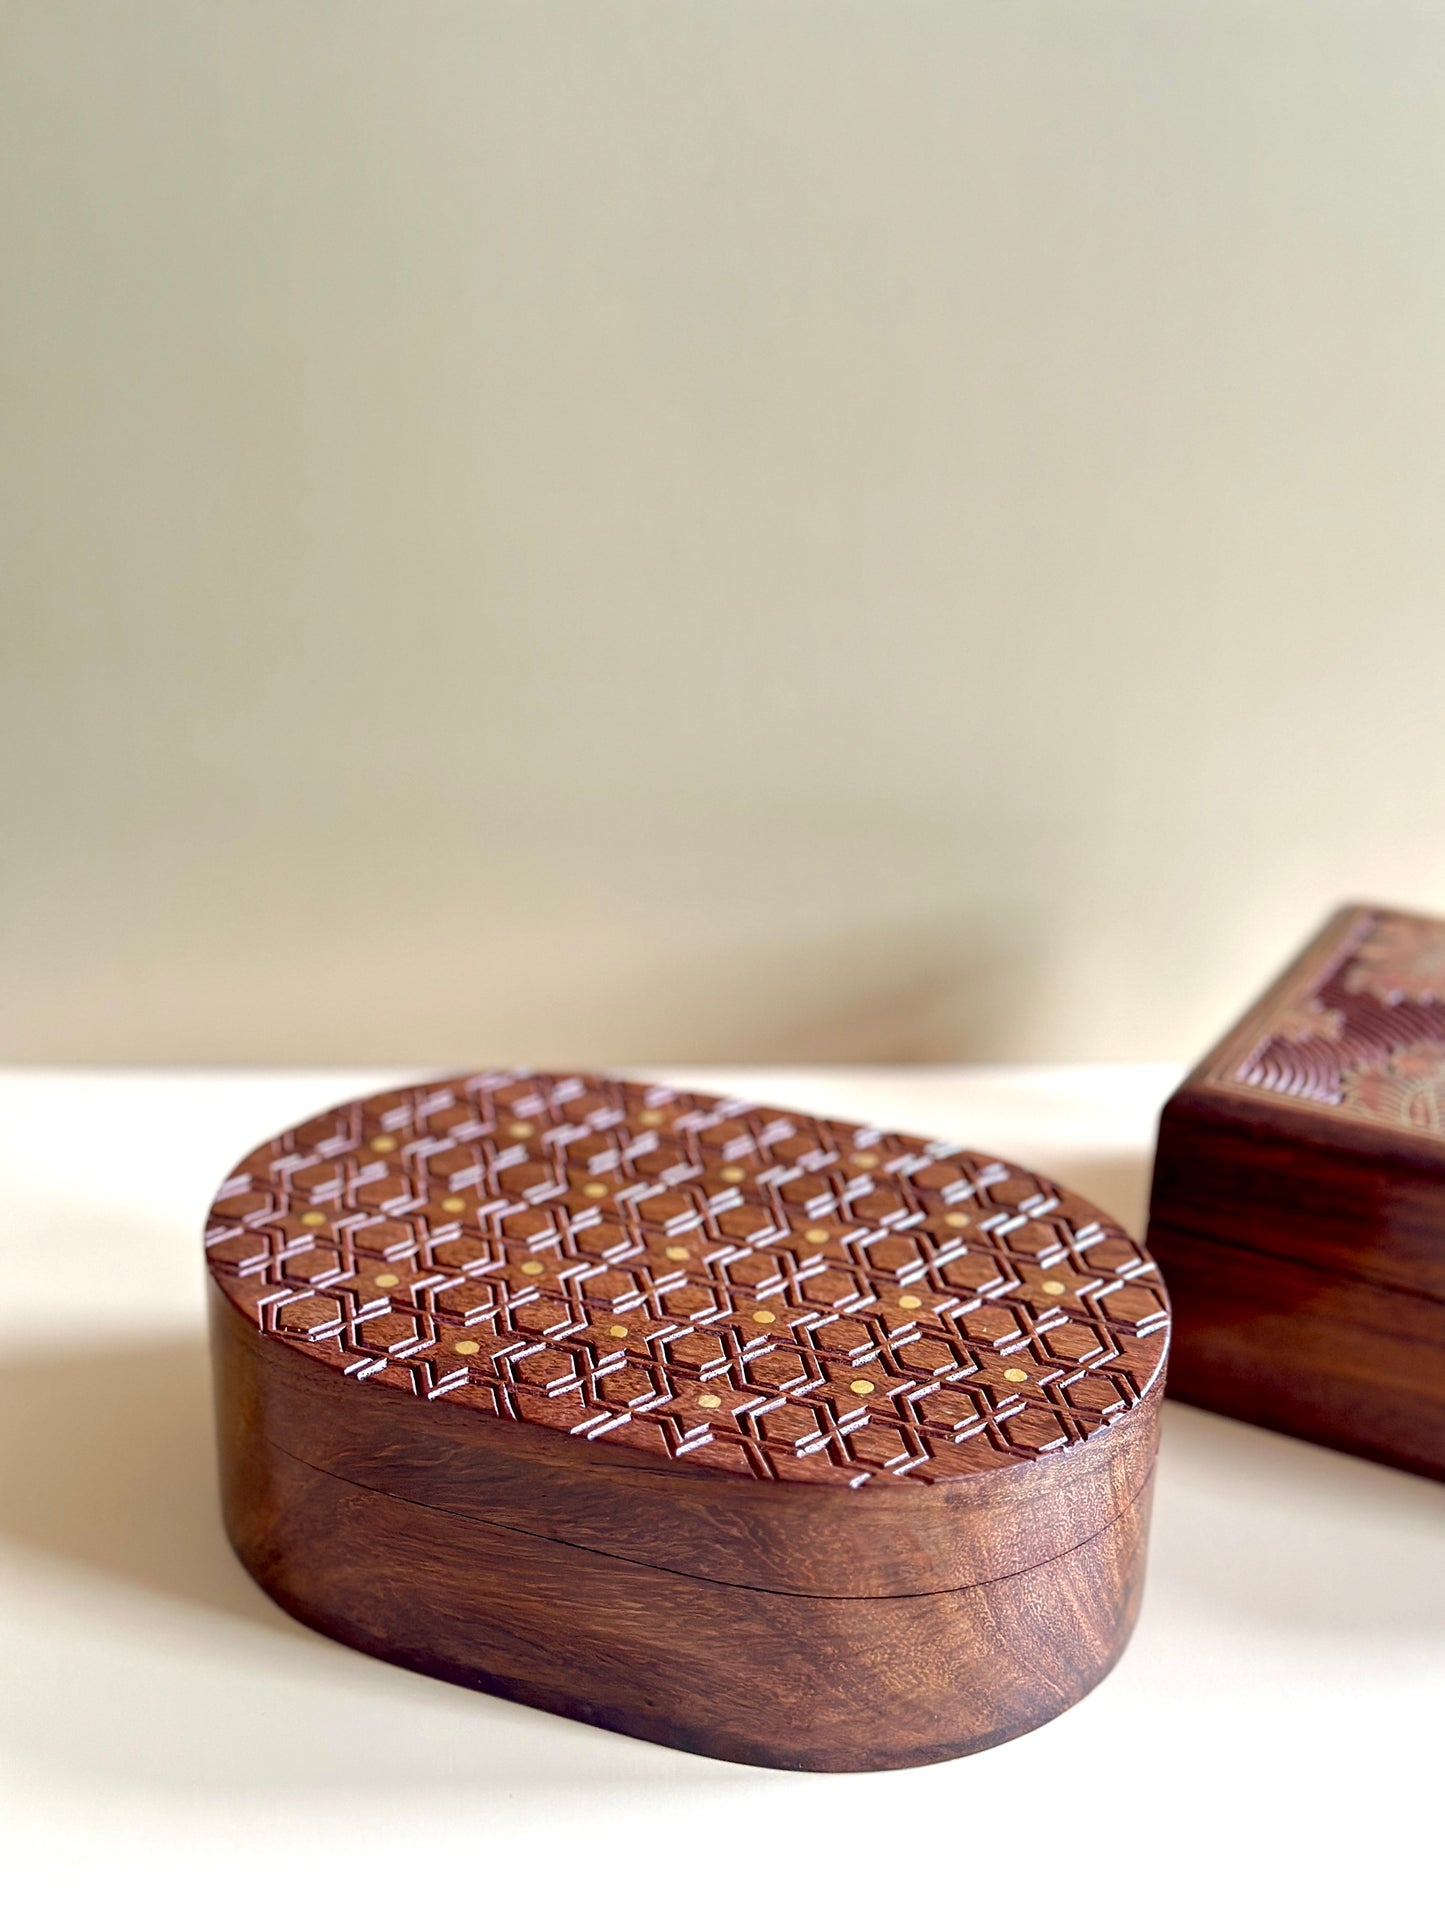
1315 1130
709 1282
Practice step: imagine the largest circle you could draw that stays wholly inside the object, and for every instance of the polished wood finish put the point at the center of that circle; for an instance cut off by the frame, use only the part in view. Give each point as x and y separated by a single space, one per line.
903 1519
829 1541
1298 1207
1298 1350
771 1677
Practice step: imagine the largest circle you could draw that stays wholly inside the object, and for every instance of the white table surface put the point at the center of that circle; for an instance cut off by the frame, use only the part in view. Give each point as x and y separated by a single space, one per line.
175 1747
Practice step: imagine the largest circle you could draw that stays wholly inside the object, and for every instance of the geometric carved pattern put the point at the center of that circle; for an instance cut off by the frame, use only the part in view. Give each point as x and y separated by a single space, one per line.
747 1289
1366 1034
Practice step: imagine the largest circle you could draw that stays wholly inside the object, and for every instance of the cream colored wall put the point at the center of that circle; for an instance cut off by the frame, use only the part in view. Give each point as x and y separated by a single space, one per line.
778 531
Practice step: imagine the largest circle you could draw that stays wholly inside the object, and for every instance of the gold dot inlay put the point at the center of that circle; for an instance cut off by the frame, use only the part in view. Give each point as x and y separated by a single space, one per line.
491 1151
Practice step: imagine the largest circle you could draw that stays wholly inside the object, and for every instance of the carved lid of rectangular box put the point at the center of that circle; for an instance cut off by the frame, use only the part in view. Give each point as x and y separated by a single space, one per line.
1316 1129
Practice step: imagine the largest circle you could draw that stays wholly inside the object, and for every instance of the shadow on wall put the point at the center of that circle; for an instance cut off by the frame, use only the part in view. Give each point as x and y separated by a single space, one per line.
576 989
917 992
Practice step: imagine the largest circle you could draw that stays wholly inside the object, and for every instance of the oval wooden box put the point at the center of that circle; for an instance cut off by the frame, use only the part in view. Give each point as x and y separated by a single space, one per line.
1299 1199
783 1440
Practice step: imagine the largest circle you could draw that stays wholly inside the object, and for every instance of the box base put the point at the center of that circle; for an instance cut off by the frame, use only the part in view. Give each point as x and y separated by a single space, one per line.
768 1679
1340 1362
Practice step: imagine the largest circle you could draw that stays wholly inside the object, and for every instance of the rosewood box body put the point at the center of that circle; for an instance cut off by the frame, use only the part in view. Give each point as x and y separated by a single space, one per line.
1298 1207
789 1441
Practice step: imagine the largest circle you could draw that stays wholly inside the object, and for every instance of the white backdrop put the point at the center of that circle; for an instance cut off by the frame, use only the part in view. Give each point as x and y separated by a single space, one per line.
757 531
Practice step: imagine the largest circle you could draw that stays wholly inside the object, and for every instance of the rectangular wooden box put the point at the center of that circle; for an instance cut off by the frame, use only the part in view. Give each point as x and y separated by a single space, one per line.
1298 1210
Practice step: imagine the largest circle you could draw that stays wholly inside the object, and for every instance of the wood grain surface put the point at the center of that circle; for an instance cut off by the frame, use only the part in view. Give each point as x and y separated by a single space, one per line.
943 1556
834 1542
1294 1348
1298 1205
742 1672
